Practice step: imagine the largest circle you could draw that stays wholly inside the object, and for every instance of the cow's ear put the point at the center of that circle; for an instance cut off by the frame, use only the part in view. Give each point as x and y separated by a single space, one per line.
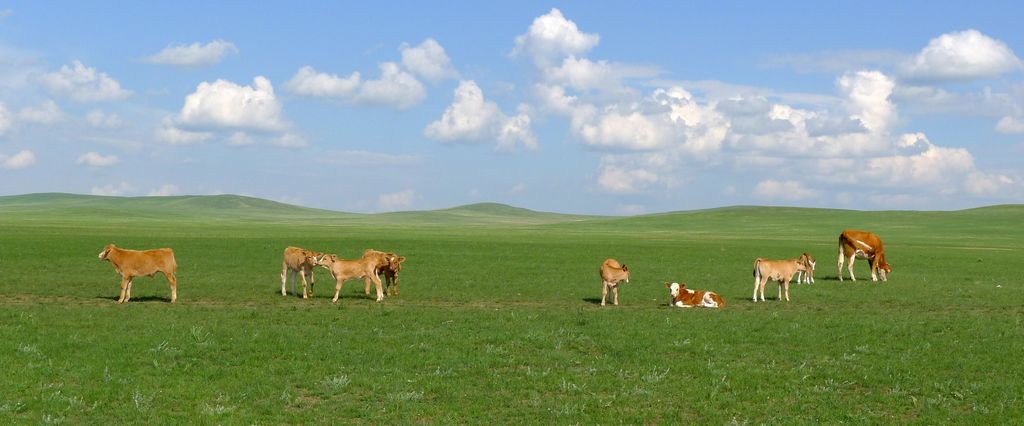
667 285
624 268
401 259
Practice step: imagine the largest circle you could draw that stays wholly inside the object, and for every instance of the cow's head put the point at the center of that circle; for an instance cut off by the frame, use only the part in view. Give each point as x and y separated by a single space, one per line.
883 266
106 251
395 262
808 260
324 259
626 271
675 289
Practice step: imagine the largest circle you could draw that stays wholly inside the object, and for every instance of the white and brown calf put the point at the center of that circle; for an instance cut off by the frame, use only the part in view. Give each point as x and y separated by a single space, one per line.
686 298
807 277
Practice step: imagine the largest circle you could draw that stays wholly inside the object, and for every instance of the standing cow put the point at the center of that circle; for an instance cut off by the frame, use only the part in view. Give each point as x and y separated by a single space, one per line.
778 270
301 261
864 245
611 274
134 263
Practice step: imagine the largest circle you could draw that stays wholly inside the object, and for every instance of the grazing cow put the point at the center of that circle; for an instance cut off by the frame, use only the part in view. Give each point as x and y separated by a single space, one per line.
777 270
865 245
135 263
611 274
364 267
686 298
298 261
807 277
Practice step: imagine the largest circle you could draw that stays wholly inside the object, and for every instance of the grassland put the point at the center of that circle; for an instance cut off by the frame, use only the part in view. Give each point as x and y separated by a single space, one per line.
498 319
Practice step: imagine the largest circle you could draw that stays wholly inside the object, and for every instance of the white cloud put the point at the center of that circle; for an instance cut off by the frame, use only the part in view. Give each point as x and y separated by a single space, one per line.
473 119
289 140
20 160
397 200
226 105
308 82
6 121
963 55
165 190
616 179
395 88
1010 124
112 190
193 55
94 159
83 84
428 60
99 119
788 190
552 37
46 114
169 133
584 74
868 93
240 139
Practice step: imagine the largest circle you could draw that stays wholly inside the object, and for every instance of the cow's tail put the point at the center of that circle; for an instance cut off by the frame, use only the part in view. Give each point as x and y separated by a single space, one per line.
757 268
173 264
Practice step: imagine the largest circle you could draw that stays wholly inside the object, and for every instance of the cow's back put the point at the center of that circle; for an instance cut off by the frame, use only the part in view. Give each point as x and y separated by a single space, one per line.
295 258
148 262
850 238
611 271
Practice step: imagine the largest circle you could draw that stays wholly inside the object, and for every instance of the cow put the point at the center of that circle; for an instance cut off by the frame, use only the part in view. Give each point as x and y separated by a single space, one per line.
807 277
686 298
390 268
364 267
611 274
864 245
301 261
777 270
134 263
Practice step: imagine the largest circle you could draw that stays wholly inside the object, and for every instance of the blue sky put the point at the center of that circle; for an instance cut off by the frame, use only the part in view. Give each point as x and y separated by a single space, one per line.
581 107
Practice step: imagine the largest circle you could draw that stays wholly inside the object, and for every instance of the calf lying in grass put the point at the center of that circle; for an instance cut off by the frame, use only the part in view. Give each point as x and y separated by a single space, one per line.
686 298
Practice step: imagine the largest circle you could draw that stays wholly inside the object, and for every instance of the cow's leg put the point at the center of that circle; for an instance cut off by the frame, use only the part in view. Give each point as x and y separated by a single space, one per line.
615 293
312 281
337 290
757 282
284 278
124 288
849 266
604 292
840 262
764 282
882 273
173 282
128 293
394 282
366 284
302 273
874 269
380 288
787 290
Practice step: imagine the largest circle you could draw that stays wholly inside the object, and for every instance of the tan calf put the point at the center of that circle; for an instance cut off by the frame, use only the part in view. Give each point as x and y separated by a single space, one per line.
364 267
611 274
777 270
135 263
390 271
298 261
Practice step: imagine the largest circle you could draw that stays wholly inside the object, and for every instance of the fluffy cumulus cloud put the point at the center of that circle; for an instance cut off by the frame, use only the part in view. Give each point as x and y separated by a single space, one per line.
963 55
395 88
308 82
193 55
397 200
224 104
1010 124
552 37
94 159
19 160
169 133
473 119
83 84
867 93
428 60
102 120
787 190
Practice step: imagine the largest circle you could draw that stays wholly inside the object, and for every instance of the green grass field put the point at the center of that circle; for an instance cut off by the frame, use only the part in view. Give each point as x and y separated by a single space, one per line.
498 319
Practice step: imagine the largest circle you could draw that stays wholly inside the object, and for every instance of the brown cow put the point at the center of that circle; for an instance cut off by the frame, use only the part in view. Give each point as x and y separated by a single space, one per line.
778 270
301 261
611 274
364 267
390 268
135 263
865 245
686 298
